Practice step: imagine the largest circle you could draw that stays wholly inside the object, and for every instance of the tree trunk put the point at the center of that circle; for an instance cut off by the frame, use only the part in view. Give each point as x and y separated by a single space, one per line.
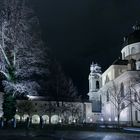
131 113
118 117
49 117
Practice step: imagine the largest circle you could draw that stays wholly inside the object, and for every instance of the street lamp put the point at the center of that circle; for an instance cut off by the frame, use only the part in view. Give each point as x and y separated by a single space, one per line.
116 119
102 119
91 120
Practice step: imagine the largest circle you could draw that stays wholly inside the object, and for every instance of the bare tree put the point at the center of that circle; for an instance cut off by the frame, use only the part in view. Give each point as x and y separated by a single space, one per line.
72 109
76 112
136 100
118 98
25 107
48 108
23 55
135 94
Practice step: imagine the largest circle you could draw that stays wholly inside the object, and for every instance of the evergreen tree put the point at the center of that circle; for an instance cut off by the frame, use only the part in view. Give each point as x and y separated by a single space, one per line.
60 86
9 106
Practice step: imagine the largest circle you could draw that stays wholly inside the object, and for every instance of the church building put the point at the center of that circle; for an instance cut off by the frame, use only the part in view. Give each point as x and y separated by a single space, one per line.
116 91
113 95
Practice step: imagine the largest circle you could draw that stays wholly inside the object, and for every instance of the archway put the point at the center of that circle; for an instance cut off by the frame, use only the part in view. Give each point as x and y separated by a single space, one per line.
45 119
72 119
54 119
24 117
35 119
17 117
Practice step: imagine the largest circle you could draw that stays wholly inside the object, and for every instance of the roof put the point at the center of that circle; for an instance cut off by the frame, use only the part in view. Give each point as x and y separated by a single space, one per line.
45 98
120 62
133 37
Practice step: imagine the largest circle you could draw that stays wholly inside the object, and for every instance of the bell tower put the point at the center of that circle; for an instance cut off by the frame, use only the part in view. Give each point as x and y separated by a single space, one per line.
95 83
94 79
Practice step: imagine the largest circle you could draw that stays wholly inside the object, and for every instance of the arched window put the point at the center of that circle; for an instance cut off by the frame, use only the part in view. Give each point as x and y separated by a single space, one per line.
107 79
97 85
123 55
122 90
133 50
122 106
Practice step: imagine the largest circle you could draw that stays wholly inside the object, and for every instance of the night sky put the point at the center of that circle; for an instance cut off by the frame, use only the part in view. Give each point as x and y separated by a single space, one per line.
81 31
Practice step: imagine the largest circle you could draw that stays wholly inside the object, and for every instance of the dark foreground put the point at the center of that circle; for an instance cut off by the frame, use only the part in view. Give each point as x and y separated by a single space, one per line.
66 135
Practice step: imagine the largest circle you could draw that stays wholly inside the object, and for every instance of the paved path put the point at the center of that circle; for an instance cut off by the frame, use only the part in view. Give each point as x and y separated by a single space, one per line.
65 135
133 129
97 136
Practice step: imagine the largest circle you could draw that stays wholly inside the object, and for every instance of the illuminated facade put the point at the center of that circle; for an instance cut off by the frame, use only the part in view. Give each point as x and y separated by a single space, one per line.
51 112
122 77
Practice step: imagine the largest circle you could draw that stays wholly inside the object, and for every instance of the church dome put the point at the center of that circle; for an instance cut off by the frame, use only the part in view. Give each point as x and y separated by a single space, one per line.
133 37
131 46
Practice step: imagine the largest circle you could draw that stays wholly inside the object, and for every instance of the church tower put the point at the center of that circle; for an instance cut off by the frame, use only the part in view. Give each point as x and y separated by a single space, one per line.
94 86
94 80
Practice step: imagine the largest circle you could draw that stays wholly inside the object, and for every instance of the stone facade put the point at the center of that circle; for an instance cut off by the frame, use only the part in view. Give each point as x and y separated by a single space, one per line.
120 90
55 112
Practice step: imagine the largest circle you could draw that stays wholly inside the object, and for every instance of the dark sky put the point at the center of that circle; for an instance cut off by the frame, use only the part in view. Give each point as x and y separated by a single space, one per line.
81 31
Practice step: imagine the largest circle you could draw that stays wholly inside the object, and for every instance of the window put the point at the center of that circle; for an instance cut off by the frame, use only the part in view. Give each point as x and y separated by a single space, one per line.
122 106
123 55
97 85
122 90
133 50
107 79
136 115
107 96
90 85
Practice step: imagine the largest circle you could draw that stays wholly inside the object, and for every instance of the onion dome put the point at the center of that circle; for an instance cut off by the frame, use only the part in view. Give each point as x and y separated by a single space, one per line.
133 37
95 68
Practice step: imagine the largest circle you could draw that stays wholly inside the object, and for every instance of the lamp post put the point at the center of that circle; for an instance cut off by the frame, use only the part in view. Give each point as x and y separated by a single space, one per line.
131 108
